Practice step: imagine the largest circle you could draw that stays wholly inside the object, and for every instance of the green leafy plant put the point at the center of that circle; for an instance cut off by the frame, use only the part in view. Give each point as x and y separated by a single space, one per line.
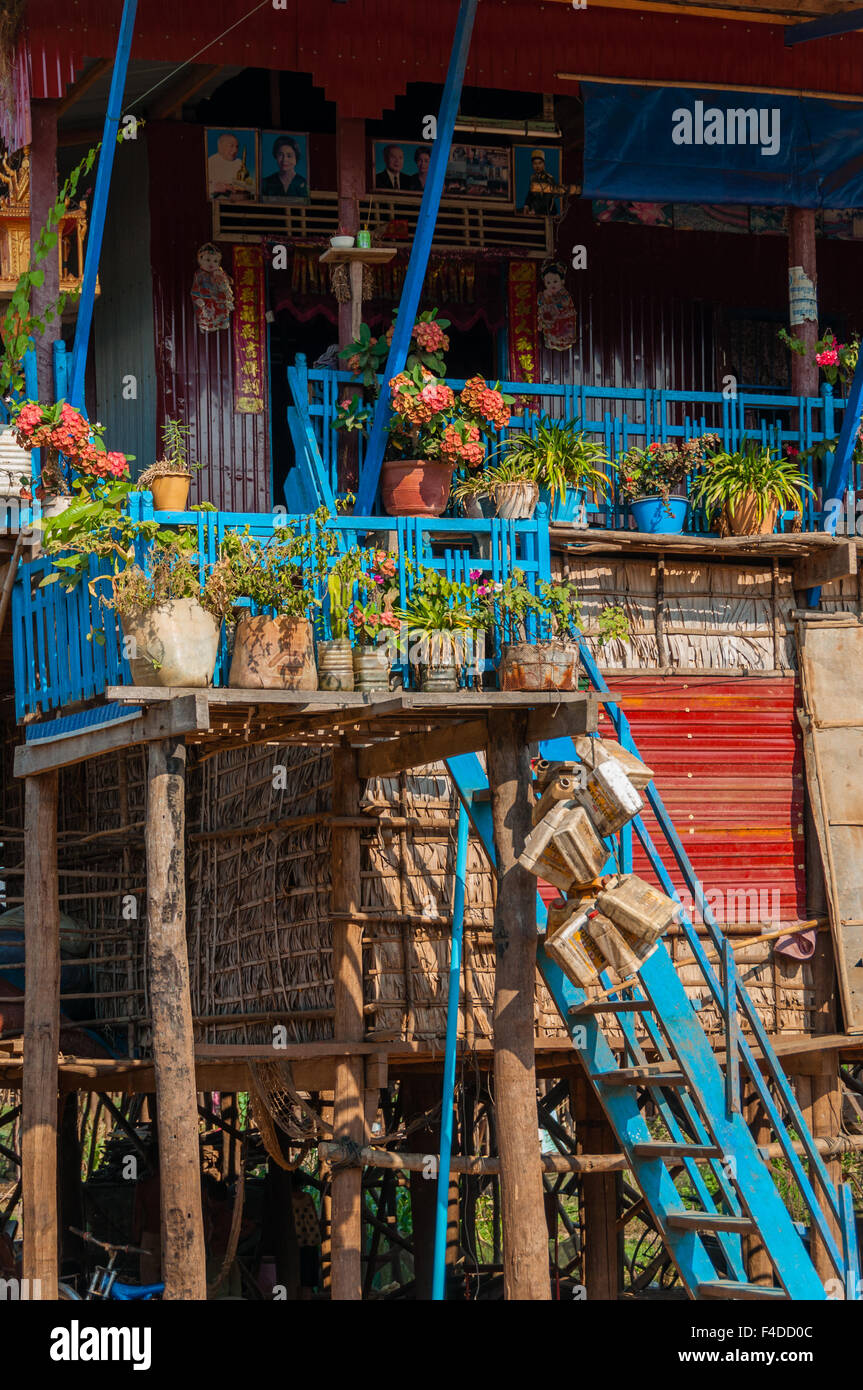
656 470
172 573
558 456
838 361
556 607
175 454
438 604
754 471
286 573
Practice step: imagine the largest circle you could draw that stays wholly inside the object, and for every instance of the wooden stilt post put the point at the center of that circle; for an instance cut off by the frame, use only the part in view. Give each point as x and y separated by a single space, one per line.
759 1266
41 1035
525 1237
43 196
183 1259
421 1094
801 257
594 1135
348 1099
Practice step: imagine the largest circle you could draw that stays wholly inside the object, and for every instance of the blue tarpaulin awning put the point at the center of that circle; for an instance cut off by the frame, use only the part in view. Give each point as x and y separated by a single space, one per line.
685 145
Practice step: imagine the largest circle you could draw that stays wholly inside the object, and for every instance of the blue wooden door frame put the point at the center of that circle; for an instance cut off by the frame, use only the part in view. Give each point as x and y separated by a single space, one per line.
98 212
416 271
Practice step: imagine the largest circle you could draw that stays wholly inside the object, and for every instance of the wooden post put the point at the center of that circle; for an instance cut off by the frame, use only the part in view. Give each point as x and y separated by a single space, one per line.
801 255
43 196
41 1034
348 1099
351 175
183 1259
594 1135
420 1094
525 1237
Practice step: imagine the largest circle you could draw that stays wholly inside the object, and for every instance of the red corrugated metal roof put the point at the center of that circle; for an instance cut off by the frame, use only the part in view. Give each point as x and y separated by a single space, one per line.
728 764
364 53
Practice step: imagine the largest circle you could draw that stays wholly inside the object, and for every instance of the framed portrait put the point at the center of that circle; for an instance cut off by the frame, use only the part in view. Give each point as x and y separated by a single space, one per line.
400 166
232 163
284 167
474 171
481 172
535 166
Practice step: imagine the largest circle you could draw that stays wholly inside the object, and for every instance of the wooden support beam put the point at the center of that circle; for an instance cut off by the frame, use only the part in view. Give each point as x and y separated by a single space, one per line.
601 1269
84 83
186 715
417 750
838 561
171 103
348 1026
801 257
183 1255
525 1236
41 1034
471 1164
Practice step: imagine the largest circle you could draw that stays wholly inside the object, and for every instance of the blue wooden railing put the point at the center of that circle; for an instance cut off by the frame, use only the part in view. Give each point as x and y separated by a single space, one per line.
617 417
68 646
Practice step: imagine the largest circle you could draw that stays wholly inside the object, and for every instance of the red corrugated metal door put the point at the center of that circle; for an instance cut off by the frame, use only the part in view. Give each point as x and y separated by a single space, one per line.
728 763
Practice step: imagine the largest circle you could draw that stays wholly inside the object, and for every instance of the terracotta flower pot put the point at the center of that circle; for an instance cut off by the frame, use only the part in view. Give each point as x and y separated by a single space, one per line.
171 492
551 665
516 501
415 487
273 654
175 643
743 519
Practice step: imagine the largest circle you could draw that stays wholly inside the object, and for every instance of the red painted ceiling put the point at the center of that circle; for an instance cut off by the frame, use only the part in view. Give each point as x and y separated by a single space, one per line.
363 53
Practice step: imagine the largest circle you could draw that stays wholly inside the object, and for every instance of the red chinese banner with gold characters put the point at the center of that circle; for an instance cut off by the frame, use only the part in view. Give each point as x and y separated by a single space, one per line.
249 330
523 331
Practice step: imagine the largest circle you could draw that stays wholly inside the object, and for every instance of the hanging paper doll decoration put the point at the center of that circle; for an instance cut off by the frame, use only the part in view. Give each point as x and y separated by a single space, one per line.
556 311
212 290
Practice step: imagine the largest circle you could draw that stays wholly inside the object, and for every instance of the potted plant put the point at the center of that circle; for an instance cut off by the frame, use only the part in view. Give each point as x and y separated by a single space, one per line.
169 617
445 620
432 429
748 488
551 661
170 477
282 575
374 622
562 462
171 621
510 485
335 660
651 480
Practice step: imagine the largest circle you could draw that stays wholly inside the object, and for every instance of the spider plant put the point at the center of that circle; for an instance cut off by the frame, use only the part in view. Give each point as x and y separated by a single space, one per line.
754 471
508 470
558 456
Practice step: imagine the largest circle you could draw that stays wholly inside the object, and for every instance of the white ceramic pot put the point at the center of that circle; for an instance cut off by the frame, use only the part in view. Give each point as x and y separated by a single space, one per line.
341 243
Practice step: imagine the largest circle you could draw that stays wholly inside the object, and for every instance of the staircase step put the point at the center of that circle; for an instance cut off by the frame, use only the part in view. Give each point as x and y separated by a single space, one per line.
605 1006
642 1076
663 1149
729 1288
708 1221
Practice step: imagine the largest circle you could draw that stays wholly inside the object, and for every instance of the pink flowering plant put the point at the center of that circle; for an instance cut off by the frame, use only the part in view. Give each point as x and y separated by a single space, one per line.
362 589
838 361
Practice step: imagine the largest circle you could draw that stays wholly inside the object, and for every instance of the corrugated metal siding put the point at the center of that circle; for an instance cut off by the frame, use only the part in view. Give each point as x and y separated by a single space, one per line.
728 763
366 54
123 319
195 370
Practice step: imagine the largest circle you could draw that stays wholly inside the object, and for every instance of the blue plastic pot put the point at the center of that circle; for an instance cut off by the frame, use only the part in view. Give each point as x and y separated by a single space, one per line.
567 510
655 517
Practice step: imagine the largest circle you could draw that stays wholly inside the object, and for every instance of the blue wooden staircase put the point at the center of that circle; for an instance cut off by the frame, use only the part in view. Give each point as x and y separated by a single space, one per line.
706 1146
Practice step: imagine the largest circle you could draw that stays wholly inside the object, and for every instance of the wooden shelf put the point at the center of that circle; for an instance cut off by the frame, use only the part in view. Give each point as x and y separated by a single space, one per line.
362 255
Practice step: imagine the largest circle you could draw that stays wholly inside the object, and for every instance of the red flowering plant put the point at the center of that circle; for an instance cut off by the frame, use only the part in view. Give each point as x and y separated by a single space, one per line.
660 468
838 361
366 356
431 421
62 433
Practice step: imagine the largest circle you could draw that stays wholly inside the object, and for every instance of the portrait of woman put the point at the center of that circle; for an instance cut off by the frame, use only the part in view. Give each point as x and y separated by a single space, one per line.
284 167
